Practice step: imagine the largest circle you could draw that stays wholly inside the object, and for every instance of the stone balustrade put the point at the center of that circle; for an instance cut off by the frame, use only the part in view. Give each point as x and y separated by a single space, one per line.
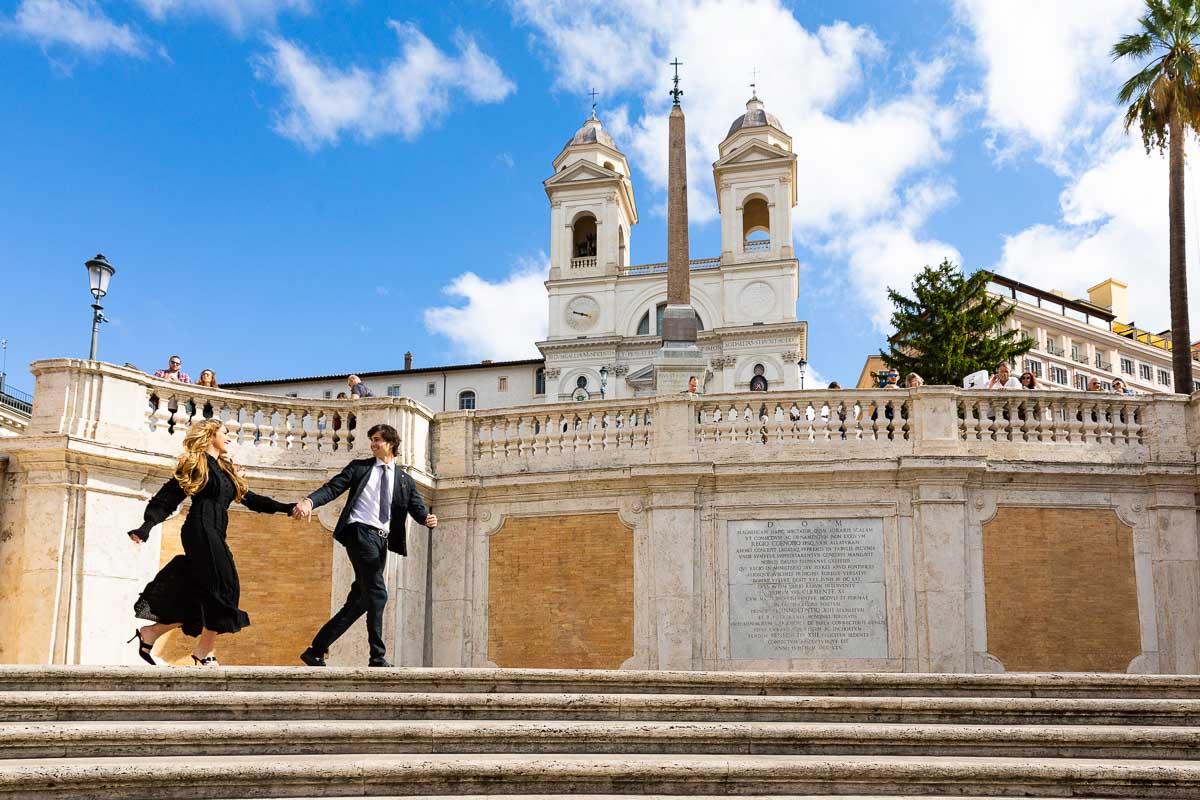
118 404
821 423
583 263
757 246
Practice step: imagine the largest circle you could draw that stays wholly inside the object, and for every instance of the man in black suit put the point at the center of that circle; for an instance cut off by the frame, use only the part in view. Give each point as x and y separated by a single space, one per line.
381 498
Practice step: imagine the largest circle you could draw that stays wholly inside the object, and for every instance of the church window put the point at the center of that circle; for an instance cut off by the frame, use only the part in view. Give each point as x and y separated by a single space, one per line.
539 381
758 383
643 328
466 400
756 224
584 237
581 382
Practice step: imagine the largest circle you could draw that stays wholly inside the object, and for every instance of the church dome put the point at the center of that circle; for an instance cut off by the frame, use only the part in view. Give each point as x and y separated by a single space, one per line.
755 117
592 132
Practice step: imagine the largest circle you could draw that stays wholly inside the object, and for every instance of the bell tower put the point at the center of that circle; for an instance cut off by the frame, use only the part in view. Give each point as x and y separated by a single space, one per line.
755 179
591 206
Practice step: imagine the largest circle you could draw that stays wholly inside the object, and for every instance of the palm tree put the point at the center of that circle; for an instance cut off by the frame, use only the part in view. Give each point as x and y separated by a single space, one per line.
1164 100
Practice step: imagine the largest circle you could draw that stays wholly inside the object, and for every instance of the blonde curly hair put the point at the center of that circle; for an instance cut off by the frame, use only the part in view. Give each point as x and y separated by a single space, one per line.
192 469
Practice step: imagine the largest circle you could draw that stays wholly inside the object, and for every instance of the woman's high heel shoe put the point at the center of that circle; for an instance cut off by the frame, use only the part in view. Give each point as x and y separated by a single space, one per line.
207 661
144 648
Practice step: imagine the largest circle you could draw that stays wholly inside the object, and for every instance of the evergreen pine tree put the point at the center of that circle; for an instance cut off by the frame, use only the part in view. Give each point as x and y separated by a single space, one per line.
952 327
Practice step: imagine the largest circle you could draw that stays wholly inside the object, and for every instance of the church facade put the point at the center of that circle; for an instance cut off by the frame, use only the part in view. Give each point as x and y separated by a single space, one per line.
605 313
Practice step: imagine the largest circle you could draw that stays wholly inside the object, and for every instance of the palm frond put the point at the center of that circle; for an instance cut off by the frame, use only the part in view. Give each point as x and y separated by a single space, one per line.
1134 45
1141 82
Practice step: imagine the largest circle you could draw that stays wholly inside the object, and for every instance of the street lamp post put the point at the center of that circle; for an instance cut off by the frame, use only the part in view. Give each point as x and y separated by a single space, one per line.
100 272
603 381
802 363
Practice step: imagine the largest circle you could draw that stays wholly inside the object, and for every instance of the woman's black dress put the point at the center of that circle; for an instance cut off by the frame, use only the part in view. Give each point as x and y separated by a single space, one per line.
200 588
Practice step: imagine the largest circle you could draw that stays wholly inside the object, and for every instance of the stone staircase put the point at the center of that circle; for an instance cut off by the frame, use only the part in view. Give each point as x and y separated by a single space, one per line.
123 732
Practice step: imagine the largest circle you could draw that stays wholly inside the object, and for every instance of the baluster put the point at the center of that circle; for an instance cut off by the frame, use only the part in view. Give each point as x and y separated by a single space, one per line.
321 430
1108 422
988 418
827 417
160 417
1074 421
968 422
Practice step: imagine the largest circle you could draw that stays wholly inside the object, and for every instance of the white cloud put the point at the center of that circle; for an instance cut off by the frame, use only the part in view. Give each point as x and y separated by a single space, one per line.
1049 79
889 252
1113 224
322 101
856 158
79 24
501 320
236 14
1113 218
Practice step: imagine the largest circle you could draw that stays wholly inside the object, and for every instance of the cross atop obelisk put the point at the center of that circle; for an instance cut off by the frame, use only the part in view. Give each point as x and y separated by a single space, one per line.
679 359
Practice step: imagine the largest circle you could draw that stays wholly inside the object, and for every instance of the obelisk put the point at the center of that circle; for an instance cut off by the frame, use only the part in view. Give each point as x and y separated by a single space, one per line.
679 359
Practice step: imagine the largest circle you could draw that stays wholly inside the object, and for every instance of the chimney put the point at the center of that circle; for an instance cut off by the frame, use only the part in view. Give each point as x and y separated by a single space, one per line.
1111 294
486 361
408 361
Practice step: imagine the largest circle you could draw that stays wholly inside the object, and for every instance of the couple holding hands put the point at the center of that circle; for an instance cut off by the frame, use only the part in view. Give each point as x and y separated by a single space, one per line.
199 590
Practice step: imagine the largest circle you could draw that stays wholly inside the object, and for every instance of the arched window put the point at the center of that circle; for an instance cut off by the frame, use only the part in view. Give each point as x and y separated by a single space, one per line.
643 328
756 224
583 237
609 165
466 400
539 381
759 382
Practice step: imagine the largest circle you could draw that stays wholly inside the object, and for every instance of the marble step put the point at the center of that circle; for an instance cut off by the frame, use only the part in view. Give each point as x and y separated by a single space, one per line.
134 739
157 778
299 678
202 705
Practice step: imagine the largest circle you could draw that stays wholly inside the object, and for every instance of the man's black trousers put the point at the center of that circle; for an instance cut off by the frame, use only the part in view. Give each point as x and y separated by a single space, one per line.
368 594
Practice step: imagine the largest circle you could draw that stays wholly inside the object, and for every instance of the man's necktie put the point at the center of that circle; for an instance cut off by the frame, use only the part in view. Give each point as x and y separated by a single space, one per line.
385 496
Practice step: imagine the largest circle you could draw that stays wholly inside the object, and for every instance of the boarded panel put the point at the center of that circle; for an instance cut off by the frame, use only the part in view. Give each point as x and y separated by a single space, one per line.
560 592
1061 594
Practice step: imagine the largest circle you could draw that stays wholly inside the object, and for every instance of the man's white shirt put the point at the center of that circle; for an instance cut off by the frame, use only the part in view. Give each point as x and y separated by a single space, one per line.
366 510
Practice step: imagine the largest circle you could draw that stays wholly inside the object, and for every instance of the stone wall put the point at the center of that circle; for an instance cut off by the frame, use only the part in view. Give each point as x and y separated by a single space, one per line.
1061 590
560 592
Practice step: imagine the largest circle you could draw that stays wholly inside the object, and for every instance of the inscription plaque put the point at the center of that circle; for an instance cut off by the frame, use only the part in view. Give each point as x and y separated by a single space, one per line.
806 588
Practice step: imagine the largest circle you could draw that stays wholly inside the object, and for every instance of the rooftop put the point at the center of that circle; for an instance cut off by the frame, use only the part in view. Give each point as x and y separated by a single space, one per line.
529 362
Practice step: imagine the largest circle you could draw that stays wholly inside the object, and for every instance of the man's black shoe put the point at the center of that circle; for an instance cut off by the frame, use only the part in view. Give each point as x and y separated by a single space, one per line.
380 662
313 658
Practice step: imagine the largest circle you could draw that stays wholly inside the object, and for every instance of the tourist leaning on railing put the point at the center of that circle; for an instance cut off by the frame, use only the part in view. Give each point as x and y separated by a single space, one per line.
1003 379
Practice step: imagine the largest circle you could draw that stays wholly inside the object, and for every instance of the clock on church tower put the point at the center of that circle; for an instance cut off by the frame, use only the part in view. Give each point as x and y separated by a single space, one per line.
582 313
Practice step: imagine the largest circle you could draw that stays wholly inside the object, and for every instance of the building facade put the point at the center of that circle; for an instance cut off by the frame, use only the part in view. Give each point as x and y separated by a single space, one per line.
604 313
1076 340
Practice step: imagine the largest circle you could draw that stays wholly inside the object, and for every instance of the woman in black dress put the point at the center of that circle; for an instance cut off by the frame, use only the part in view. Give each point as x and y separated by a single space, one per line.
198 591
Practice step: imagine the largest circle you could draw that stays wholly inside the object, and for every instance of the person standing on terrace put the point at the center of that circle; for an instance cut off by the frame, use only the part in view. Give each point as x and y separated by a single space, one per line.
173 371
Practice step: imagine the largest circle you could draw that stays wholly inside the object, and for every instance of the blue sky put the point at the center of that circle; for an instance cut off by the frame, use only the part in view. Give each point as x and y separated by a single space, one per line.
294 187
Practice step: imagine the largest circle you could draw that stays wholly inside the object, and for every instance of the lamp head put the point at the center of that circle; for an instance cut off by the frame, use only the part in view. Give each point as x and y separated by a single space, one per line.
100 272
604 374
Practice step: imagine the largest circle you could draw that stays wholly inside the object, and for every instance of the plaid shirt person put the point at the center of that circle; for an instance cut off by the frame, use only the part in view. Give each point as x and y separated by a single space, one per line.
178 375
